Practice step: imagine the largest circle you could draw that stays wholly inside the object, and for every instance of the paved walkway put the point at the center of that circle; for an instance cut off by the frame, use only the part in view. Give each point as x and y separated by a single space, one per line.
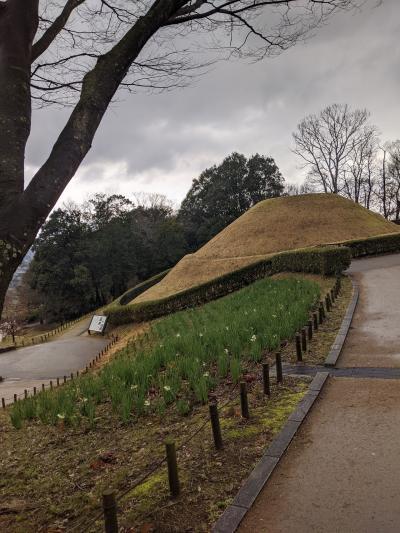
28 367
342 471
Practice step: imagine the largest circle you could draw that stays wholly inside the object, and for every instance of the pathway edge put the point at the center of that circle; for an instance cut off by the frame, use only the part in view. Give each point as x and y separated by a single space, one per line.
232 516
340 339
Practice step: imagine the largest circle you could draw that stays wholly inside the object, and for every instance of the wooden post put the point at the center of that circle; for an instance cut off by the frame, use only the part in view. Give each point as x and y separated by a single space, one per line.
43 387
244 403
72 375
25 394
51 385
110 512
299 354
327 303
315 319
65 379
3 403
15 398
58 382
310 332
304 339
279 373
173 477
266 382
34 391
332 296
215 425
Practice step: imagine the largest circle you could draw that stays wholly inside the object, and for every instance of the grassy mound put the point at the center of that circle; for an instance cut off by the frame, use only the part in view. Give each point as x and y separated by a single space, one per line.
272 226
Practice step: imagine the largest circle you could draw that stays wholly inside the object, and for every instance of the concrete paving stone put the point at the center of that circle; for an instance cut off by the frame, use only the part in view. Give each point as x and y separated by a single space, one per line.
230 520
283 439
255 482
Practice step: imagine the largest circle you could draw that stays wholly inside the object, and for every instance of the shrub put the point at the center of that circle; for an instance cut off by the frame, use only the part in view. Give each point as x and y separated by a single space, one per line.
131 294
374 245
323 260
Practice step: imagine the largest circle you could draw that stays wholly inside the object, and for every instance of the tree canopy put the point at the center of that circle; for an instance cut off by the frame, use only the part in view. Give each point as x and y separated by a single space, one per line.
87 255
224 192
83 51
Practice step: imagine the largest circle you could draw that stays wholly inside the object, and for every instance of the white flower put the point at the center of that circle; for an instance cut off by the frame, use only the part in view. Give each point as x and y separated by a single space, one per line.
134 387
147 403
204 363
226 327
200 335
161 345
226 350
245 312
253 338
60 416
85 399
167 387
206 374
178 334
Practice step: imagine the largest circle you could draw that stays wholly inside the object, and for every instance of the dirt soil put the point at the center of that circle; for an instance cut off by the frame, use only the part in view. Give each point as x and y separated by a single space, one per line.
53 477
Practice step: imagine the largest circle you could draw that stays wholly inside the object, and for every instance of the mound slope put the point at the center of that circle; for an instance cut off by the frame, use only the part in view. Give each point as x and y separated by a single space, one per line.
269 227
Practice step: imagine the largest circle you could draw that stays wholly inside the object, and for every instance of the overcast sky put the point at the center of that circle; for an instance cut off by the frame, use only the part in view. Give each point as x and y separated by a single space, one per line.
160 142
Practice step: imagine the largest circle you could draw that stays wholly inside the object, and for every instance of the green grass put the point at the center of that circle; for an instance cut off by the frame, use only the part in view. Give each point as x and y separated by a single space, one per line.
183 357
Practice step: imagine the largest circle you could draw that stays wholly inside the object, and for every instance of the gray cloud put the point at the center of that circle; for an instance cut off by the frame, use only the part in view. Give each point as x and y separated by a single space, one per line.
161 142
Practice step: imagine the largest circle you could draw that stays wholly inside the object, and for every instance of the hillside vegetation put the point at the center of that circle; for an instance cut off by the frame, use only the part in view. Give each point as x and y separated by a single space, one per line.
272 226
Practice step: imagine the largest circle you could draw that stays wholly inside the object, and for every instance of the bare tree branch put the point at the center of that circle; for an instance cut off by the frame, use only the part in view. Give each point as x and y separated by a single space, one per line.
54 29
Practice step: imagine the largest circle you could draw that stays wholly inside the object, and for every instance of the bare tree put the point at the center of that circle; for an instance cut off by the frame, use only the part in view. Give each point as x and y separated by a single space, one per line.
82 52
338 147
359 174
388 183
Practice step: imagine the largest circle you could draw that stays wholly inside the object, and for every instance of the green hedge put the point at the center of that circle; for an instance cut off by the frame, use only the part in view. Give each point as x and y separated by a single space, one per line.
325 261
381 244
131 294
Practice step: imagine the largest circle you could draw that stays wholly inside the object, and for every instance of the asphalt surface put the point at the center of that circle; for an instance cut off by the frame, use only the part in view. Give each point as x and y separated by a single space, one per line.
341 473
30 366
374 337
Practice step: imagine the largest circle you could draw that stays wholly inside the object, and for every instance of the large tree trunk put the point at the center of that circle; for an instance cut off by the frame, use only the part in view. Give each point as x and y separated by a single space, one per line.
24 211
18 24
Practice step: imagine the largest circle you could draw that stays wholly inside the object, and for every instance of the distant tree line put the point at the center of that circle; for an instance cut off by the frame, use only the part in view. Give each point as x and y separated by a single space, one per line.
87 255
343 154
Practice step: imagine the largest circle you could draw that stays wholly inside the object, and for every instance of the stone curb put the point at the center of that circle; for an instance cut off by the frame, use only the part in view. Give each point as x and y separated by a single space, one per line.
7 349
229 521
337 346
